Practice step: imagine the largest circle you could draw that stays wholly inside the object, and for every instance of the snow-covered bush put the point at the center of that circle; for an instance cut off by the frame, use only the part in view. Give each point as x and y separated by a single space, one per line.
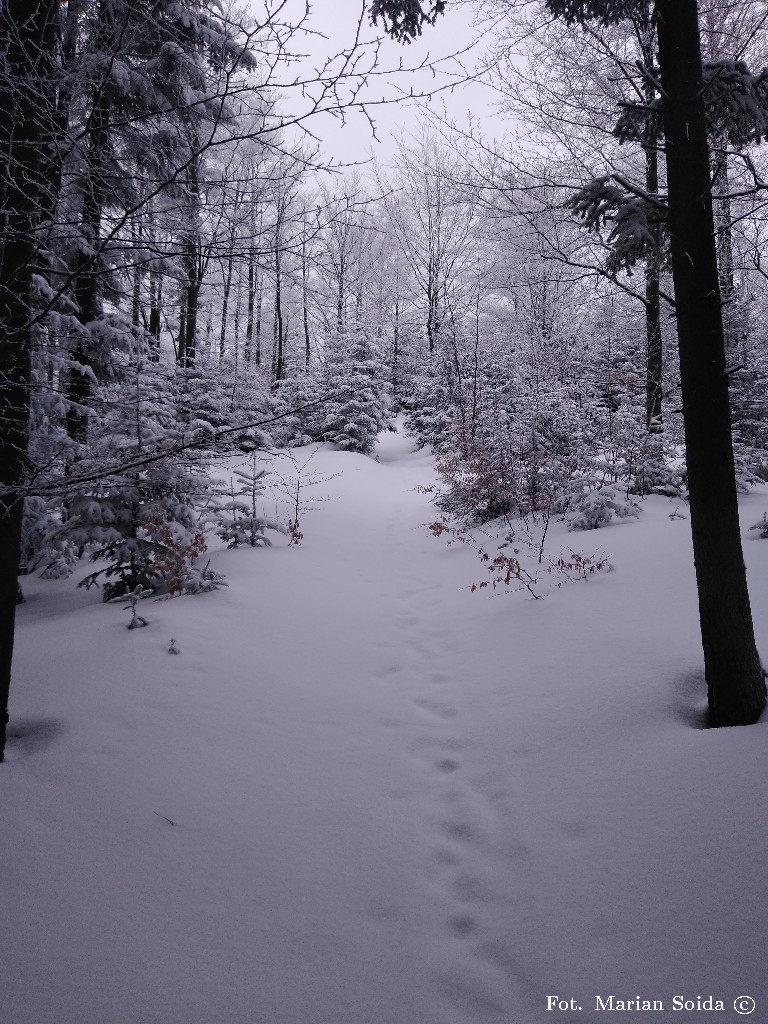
429 416
151 544
361 409
146 467
45 546
201 580
239 520
300 403
588 504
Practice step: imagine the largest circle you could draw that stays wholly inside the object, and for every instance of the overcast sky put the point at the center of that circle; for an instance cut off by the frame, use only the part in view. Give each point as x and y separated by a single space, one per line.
337 21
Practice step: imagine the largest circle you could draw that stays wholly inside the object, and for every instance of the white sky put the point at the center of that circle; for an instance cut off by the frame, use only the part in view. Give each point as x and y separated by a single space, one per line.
336 22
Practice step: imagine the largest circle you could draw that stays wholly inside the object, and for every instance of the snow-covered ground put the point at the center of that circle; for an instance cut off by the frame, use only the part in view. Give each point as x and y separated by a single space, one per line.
363 794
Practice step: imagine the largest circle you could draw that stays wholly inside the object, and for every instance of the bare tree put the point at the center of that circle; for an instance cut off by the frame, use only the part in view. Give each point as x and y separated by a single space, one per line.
432 218
735 682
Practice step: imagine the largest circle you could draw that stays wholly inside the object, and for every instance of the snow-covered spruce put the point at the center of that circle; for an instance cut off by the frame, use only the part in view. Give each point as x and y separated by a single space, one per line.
239 520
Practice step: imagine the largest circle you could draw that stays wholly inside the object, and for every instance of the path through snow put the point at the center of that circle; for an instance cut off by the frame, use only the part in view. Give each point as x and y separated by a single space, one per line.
393 801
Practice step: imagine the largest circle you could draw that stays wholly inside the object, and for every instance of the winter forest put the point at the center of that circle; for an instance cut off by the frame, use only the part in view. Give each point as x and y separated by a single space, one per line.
383 511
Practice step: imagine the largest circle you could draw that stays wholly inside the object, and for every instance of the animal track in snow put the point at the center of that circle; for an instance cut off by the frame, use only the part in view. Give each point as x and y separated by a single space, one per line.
469 888
462 926
390 723
434 744
439 677
407 621
435 707
461 831
387 670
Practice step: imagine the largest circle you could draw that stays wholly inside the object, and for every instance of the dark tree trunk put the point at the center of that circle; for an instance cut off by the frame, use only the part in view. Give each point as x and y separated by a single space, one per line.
188 353
341 288
724 235
86 279
191 259
155 300
236 320
60 89
181 343
225 305
137 278
250 306
305 301
654 355
396 351
735 683
259 306
654 358
152 322
432 314
277 353
27 38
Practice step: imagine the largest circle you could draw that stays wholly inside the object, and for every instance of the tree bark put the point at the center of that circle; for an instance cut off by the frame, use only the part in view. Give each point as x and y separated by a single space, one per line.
277 352
188 352
735 683
138 273
27 39
340 295
654 353
225 303
654 357
86 287
396 351
724 237
251 302
305 300
155 301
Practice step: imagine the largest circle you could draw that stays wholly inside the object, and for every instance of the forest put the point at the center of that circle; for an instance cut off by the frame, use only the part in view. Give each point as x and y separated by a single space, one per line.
186 274
303 414
198 280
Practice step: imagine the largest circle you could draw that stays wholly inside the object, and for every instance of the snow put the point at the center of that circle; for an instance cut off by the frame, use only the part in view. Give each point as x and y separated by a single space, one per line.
362 794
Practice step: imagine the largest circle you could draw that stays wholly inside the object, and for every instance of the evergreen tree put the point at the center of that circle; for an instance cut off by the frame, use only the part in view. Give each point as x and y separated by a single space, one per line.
239 520
354 420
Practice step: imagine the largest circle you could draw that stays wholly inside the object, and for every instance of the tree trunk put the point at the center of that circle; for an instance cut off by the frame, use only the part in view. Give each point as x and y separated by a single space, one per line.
341 301
86 287
155 300
191 259
225 305
723 226
654 358
181 343
59 96
735 683
431 306
236 320
251 301
305 300
396 352
724 236
654 354
191 307
27 37
277 351
259 305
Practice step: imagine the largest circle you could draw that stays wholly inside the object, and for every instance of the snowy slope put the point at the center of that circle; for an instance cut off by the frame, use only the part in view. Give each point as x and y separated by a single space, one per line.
393 801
